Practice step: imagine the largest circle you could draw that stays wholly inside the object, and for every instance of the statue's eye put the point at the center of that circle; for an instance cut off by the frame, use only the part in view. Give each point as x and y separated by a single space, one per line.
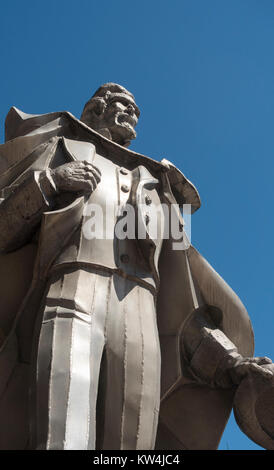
114 103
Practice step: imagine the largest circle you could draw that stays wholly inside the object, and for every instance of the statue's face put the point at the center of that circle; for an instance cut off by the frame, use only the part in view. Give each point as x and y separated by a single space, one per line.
116 119
120 117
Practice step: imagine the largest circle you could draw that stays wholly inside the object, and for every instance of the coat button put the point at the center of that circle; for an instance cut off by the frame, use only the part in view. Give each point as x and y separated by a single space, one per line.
148 200
124 171
124 258
125 188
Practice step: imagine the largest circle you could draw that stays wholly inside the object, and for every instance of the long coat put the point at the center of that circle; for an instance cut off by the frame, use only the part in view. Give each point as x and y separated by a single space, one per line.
192 414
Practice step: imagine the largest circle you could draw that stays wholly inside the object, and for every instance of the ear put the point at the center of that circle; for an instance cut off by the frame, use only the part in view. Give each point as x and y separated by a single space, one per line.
94 109
98 106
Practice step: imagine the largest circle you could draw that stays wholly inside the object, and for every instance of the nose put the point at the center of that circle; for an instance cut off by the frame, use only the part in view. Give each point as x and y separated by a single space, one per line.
130 109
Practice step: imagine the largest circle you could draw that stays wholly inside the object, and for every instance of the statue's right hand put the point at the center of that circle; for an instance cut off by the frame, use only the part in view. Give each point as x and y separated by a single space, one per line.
76 176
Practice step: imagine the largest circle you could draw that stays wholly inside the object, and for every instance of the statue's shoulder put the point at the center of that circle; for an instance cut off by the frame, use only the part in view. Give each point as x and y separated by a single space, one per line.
184 190
20 124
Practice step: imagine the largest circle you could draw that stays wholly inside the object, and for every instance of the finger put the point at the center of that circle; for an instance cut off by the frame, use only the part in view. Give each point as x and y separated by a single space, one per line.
75 164
262 360
96 169
84 175
84 166
263 372
82 172
76 178
258 360
81 165
81 179
79 171
96 176
90 165
89 179
90 176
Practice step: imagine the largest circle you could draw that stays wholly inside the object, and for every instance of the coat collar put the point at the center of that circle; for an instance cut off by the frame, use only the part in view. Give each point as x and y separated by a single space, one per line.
19 123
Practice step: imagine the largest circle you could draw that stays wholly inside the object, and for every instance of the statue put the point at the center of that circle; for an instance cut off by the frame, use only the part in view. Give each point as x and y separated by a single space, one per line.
110 341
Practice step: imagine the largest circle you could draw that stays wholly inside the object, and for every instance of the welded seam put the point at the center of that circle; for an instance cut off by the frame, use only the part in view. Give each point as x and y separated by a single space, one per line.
143 368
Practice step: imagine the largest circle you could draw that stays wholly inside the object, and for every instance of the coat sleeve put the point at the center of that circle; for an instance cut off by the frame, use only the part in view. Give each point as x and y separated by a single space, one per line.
21 211
207 352
188 284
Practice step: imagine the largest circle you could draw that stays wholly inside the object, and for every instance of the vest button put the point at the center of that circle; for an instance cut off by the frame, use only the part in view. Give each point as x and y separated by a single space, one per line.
125 188
148 200
124 258
124 171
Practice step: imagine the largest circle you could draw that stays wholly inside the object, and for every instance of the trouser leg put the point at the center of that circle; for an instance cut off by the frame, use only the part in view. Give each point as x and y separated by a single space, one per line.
132 387
83 311
68 361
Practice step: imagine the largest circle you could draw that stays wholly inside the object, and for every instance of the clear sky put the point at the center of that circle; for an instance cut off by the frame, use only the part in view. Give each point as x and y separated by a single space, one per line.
202 74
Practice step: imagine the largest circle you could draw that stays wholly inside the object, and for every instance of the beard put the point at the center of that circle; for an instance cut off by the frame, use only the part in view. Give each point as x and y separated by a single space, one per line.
121 126
117 126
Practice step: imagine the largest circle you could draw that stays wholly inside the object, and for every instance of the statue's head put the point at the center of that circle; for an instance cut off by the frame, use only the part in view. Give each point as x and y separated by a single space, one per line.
112 112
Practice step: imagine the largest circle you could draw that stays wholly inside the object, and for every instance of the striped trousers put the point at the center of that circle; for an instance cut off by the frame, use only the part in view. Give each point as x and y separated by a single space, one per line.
98 364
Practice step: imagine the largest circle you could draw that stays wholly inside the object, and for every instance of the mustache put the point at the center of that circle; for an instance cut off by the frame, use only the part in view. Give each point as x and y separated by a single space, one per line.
126 118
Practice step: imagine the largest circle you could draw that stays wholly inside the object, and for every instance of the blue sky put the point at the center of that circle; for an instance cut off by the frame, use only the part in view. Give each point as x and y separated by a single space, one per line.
202 74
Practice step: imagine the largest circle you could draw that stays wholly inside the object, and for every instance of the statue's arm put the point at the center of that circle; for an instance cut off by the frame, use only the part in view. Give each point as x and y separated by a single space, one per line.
21 211
210 355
